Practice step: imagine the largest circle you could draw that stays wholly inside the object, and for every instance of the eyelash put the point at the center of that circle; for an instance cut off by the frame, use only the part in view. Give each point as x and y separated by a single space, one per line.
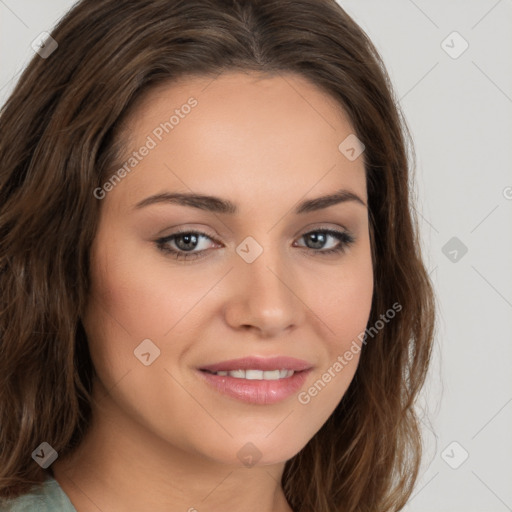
343 237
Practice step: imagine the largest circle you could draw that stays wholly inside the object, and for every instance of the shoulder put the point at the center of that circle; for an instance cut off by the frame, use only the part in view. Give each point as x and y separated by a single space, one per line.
45 497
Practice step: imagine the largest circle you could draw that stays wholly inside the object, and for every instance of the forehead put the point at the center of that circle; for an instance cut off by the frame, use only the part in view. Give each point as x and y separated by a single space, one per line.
266 133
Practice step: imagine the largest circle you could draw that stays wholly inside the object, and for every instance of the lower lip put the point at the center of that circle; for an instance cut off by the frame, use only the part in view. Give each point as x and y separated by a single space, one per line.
262 392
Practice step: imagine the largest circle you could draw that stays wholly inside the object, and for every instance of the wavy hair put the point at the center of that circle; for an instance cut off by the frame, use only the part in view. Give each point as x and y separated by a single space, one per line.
59 139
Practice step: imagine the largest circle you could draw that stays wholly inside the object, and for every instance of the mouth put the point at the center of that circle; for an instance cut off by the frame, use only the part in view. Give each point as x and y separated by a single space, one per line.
254 364
255 374
254 380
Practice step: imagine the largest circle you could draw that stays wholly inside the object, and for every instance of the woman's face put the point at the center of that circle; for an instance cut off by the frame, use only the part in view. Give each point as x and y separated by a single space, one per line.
259 282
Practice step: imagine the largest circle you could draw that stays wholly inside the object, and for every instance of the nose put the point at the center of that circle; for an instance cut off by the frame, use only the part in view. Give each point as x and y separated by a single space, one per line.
265 296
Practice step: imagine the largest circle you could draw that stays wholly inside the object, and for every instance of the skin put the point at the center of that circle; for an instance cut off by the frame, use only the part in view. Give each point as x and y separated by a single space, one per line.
161 439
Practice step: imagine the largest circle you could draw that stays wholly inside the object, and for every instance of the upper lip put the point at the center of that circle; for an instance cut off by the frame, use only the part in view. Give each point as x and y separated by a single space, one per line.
259 363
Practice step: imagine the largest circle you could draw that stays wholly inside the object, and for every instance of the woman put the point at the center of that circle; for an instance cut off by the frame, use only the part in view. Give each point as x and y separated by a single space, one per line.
213 295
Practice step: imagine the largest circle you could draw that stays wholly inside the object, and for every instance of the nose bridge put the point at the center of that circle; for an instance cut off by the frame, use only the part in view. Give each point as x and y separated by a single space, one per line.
265 297
265 278
264 262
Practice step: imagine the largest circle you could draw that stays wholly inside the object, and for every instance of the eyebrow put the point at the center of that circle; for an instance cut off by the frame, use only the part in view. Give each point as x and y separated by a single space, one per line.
219 205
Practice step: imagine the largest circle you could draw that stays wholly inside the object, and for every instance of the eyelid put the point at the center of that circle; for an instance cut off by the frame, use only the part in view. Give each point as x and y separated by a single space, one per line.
315 226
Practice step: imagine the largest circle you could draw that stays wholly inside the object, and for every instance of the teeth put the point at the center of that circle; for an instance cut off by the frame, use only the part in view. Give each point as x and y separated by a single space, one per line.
254 374
257 374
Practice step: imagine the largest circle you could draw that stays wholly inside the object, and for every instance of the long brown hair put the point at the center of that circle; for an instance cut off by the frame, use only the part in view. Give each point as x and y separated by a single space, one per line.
58 143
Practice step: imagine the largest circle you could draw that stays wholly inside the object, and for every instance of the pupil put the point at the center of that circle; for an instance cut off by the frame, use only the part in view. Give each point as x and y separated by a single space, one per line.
189 239
318 239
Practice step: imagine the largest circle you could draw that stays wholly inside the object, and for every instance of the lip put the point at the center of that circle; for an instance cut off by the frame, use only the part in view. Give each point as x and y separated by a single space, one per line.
259 392
260 363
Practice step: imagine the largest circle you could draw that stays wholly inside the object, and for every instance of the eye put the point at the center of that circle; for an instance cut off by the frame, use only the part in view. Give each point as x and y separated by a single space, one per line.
186 242
184 245
319 238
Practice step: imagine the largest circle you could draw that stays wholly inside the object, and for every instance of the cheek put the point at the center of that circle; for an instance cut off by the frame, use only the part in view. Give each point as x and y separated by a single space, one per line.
124 305
133 287
344 307
136 295
344 301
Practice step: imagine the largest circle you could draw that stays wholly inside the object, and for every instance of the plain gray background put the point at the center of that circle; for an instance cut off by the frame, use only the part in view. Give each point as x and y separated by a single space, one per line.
459 109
